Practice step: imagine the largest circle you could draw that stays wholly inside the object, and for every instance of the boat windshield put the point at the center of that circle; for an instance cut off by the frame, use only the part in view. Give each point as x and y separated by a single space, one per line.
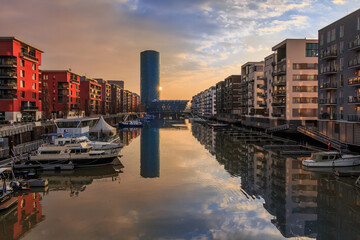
319 157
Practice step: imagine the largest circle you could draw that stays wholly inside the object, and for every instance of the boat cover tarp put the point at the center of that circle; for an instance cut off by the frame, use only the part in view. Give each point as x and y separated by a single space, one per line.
102 127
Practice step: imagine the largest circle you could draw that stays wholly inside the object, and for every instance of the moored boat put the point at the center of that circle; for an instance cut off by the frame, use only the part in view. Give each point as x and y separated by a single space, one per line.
218 124
78 154
331 159
131 124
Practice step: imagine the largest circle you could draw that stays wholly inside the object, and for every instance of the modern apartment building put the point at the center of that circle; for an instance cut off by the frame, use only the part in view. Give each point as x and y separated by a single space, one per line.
253 81
293 88
119 83
116 99
90 95
105 95
19 80
339 79
203 103
228 93
61 93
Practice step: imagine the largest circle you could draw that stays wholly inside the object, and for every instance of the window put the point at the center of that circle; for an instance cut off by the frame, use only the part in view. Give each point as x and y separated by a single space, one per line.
305 100
311 49
34 66
305 112
321 39
341 32
34 86
333 35
22 73
22 84
358 23
22 63
305 66
34 95
341 50
22 94
305 89
328 36
341 80
305 77
34 76
341 64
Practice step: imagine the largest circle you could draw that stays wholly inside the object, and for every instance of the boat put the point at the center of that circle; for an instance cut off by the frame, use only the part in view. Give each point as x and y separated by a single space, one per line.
6 199
131 124
147 118
78 154
199 120
331 159
109 147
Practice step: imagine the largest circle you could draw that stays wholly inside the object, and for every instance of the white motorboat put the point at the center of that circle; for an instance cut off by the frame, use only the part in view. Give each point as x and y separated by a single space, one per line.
331 159
199 120
131 124
108 147
79 154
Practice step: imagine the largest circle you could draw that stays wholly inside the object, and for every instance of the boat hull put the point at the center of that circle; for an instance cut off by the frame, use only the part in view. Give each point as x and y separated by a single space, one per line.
76 161
330 164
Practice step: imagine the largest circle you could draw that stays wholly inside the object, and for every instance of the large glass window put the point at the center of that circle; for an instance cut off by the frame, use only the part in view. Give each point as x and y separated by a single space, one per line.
341 33
311 49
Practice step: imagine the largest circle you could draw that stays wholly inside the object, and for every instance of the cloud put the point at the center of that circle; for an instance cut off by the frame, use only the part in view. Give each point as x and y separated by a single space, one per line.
295 21
339 2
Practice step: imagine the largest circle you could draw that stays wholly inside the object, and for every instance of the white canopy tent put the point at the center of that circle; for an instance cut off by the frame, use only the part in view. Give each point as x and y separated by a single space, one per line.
102 127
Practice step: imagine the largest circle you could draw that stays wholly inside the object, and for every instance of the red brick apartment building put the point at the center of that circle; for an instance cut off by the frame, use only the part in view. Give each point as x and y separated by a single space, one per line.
90 96
61 94
19 80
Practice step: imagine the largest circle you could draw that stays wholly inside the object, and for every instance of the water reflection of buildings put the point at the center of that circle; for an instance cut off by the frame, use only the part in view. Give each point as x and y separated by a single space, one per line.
290 193
150 153
126 135
17 221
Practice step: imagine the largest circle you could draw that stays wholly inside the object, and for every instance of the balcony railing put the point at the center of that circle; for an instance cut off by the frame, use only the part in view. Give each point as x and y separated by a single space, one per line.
278 104
328 101
279 83
8 96
9 85
354 81
328 54
354 63
262 86
328 116
279 93
279 115
8 74
354 45
329 70
29 108
354 118
328 85
352 99
29 56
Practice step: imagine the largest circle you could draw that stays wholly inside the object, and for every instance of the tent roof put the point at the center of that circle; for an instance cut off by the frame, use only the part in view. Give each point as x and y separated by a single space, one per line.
102 126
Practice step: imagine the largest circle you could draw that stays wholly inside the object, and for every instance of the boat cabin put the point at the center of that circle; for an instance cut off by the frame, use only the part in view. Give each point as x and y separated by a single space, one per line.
75 126
325 156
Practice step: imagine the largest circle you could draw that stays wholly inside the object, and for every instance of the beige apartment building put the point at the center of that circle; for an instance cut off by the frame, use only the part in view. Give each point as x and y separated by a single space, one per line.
293 88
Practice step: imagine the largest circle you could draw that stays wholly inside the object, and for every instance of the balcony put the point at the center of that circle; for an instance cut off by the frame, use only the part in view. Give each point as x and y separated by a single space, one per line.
29 108
279 72
8 62
354 118
278 115
354 63
278 104
354 81
352 99
262 86
329 70
279 93
328 55
8 85
8 74
328 101
328 116
63 87
354 45
8 96
262 95
279 83
29 56
329 85
262 104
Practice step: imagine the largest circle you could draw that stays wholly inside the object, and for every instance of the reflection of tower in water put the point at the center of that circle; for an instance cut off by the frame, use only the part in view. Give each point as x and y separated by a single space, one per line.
149 153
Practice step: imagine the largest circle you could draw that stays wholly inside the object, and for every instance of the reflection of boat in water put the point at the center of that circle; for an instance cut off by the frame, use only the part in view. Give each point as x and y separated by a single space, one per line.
6 199
331 159
218 124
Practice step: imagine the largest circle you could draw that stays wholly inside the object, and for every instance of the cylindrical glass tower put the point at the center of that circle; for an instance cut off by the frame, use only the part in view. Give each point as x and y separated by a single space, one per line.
149 77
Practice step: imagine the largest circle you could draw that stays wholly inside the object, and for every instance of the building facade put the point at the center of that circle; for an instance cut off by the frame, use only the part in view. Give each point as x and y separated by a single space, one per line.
19 80
61 93
149 77
90 96
339 79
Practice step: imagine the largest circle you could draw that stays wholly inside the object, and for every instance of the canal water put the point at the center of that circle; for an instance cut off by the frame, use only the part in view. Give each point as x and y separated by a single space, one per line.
186 181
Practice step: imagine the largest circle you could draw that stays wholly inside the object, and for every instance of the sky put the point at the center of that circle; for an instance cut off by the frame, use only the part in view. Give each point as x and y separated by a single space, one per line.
201 42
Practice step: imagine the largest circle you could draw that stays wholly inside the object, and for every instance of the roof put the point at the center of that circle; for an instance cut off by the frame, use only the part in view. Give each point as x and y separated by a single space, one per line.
339 19
48 71
76 119
291 39
18 40
102 126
